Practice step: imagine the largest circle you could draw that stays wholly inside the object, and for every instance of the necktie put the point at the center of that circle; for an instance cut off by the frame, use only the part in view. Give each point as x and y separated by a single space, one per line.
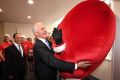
20 50
48 45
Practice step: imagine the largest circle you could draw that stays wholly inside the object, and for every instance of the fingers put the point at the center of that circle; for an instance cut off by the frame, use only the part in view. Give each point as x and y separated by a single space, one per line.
87 65
84 64
87 62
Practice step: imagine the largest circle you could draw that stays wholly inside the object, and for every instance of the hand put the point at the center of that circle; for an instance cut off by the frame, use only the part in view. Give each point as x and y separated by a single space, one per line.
1 56
30 51
57 36
83 64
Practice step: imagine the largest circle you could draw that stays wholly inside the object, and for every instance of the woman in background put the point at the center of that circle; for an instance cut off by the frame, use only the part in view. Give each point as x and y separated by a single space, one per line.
2 59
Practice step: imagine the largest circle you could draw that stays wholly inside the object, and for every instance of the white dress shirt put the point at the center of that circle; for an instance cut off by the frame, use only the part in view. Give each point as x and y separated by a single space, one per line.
45 42
21 49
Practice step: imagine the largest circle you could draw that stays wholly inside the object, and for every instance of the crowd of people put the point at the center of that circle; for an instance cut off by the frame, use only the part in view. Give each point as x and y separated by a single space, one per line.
10 69
19 57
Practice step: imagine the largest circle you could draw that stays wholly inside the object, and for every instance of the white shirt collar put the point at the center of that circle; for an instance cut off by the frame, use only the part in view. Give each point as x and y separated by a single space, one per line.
16 44
43 40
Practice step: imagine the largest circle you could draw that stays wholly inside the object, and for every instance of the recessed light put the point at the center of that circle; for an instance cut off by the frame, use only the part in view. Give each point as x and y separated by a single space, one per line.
29 17
1 10
30 2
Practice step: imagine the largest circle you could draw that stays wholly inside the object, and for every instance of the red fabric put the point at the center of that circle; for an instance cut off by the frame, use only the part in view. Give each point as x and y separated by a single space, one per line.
0 47
0 51
1 54
30 45
5 45
27 46
88 31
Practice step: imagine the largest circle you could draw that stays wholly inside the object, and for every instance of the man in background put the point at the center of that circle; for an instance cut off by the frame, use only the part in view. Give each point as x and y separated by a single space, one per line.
2 59
15 60
28 50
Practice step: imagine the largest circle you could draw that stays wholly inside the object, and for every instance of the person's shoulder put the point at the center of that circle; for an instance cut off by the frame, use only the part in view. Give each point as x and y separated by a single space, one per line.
0 47
2 43
10 47
38 43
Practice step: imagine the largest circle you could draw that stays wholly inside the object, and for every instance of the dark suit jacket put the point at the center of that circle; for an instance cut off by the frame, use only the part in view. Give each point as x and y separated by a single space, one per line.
46 65
14 64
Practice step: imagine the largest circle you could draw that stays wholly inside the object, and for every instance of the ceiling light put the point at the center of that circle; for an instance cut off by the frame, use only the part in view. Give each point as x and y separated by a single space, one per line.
1 10
29 17
30 2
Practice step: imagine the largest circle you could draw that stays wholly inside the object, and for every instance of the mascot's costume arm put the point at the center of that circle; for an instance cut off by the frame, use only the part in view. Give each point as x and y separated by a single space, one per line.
58 44
88 32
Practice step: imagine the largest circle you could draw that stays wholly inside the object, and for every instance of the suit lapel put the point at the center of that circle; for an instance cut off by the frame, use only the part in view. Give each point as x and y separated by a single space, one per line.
17 51
43 44
50 44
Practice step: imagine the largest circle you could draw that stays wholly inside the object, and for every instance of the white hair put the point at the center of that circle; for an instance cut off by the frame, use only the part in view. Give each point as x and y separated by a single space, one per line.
36 25
6 35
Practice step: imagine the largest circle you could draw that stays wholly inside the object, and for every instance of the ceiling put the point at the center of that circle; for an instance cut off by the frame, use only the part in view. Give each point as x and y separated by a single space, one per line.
46 11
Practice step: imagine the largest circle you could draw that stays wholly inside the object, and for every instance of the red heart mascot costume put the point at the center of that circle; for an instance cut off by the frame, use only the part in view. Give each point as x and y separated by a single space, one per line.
88 32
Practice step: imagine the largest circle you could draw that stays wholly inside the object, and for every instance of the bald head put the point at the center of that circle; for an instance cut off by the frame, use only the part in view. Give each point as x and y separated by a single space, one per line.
39 30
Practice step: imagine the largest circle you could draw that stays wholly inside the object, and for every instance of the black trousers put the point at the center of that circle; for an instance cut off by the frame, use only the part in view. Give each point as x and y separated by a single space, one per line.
1 70
15 77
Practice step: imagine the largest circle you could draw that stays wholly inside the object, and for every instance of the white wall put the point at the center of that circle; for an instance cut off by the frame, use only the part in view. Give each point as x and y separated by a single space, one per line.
104 71
116 54
11 28
1 32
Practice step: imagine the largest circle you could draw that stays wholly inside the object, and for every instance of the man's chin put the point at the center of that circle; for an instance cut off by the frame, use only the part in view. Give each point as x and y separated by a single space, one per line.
45 37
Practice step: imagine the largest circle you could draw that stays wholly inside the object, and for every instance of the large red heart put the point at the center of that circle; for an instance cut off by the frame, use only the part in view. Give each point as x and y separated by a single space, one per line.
88 31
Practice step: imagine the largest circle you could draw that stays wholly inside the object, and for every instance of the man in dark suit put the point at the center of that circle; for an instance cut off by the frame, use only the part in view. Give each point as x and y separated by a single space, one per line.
15 61
46 65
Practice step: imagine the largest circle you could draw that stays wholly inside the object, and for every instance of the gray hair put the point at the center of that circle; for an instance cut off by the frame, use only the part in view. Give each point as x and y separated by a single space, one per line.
36 25
6 35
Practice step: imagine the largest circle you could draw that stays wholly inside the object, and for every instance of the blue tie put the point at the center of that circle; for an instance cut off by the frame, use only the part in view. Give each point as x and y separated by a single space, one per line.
48 45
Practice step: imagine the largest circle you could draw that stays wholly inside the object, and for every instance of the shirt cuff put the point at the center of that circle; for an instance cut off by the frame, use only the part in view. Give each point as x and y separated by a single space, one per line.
59 48
75 66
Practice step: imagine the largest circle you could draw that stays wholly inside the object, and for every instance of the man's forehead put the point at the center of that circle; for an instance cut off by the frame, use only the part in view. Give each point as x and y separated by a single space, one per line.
41 26
38 24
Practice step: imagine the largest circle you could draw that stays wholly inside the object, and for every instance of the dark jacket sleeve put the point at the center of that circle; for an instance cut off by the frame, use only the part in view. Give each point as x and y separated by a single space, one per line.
8 66
49 59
